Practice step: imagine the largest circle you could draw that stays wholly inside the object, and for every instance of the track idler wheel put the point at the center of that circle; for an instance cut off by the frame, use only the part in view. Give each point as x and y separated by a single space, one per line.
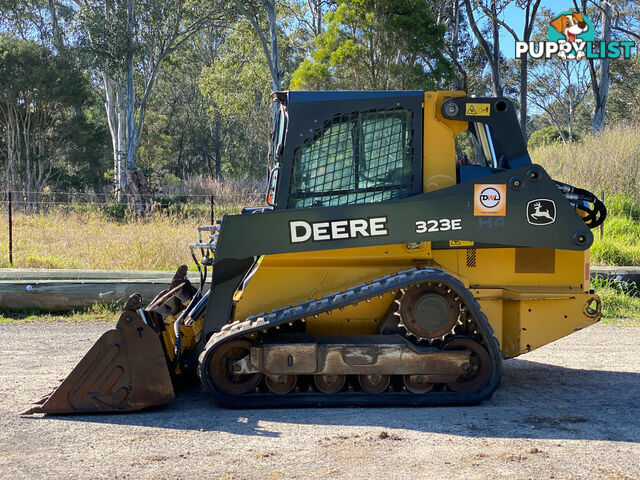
281 384
221 368
374 383
329 383
479 370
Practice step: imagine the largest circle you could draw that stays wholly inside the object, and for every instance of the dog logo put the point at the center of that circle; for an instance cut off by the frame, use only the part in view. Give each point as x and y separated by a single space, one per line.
541 211
572 29
490 200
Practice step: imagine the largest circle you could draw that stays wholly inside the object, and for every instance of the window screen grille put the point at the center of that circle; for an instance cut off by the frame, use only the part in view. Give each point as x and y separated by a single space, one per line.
360 157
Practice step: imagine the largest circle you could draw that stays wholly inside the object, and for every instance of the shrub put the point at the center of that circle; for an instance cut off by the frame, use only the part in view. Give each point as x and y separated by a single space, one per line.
548 136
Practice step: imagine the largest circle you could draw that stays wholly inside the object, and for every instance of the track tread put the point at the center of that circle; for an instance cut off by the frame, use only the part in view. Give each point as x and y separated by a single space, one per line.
356 294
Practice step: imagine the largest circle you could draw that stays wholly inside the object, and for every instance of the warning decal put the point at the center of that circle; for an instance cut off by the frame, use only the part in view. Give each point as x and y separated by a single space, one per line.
461 243
478 109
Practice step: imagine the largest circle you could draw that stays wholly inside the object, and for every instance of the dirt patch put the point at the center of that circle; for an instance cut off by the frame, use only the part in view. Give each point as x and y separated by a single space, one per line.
566 411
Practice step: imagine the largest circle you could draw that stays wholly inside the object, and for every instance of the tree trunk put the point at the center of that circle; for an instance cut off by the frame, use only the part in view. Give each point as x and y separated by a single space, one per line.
496 81
114 120
276 72
523 95
601 89
217 143
122 141
130 96
135 182
55 28
494 61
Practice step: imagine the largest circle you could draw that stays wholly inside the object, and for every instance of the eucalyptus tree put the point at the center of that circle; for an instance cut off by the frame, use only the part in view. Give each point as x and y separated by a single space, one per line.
39 92
128 42
376 44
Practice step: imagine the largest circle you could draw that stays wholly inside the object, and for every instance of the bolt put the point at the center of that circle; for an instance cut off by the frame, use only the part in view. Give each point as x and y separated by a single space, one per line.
451 109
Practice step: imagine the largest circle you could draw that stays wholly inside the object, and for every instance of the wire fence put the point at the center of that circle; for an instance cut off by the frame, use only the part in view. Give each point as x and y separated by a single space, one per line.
91 230
41 228
37 201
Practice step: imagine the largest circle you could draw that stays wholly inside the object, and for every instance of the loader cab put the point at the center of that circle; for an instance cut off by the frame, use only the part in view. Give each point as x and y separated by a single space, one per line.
349 147
340 148
477 154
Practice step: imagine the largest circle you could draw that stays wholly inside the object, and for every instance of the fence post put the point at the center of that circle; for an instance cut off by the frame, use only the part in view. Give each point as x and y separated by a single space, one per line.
212 219
10 231
602 224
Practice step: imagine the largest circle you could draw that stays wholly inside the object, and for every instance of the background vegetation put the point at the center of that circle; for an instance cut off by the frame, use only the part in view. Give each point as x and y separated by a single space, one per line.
164 99
91 90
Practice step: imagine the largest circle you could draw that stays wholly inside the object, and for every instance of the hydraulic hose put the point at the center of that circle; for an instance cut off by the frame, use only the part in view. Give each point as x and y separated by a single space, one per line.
584 201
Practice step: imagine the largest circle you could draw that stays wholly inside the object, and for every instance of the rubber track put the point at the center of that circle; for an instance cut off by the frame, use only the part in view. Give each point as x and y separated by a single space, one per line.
346 298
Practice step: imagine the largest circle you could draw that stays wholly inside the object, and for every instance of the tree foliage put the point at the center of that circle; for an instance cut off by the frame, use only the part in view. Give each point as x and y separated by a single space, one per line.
41 119
376 44
184 88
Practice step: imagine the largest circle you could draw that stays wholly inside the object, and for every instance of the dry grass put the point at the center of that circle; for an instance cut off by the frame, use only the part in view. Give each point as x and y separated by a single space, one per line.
90 240
609 161
87 238
223 189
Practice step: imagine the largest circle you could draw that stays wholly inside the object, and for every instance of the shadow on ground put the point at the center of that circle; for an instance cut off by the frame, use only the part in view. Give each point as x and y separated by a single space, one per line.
536 400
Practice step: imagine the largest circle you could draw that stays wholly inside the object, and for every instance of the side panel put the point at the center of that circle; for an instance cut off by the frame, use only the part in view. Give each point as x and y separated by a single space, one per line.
526 310
291 278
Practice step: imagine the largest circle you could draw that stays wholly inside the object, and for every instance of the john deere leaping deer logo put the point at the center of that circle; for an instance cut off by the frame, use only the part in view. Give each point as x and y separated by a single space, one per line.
541 211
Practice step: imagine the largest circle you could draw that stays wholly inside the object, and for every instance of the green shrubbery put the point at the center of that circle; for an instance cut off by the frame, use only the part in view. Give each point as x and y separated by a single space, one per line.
549 136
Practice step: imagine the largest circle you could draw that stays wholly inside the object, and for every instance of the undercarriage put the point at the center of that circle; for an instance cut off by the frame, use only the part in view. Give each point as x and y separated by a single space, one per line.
431 349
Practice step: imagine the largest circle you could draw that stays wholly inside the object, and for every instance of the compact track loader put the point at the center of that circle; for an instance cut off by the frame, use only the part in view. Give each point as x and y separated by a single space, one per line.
384 269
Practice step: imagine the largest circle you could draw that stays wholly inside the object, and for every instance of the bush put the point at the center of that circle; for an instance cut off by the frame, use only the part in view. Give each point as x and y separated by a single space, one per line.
548 136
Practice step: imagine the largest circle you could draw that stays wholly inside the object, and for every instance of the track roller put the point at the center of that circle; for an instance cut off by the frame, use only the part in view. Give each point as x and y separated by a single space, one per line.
329 383
281 384
374 383
417 383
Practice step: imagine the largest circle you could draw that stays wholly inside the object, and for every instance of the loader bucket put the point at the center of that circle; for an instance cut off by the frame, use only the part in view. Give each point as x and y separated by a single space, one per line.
124 371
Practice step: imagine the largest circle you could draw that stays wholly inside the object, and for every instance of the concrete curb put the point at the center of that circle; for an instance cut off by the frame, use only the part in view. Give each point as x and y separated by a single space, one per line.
58 290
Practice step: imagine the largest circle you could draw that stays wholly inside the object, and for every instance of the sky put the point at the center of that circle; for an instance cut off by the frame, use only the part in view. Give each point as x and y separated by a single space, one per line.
514 17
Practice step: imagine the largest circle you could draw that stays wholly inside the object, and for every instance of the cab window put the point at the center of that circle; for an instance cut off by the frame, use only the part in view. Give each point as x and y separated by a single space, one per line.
356 158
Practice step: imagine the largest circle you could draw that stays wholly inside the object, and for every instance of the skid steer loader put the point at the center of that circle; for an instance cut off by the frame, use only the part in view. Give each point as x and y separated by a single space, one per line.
385 268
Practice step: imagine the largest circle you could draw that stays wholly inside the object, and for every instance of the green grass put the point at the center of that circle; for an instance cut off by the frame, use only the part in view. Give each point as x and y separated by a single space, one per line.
98 312
618 306
620 244
608 162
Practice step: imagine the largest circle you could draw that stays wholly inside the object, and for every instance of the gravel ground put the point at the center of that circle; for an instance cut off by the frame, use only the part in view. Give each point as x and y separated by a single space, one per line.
569 410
